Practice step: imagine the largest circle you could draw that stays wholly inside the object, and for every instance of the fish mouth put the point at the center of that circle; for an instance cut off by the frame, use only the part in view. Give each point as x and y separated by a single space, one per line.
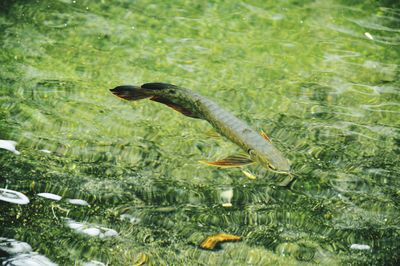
118 92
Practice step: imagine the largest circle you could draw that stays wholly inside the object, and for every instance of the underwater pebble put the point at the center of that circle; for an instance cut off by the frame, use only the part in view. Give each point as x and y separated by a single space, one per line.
78 202
12 246
110 233
368 35
90 229
75 225
360 247
132 219
226 197
13 196
28 259
50 196
9 145
93 263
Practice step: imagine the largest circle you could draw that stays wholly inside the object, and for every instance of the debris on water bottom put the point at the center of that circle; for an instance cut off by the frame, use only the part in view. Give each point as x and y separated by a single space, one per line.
211 242
141 259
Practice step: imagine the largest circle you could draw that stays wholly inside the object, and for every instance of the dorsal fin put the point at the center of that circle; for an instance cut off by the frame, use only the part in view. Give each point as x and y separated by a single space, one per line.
174 106
231 161
157 86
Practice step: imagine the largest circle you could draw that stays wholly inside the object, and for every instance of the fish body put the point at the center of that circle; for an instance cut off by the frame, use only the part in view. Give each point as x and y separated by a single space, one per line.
194 105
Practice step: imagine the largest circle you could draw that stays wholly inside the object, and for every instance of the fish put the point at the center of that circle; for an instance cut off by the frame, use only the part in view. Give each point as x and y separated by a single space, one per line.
257 146
211 242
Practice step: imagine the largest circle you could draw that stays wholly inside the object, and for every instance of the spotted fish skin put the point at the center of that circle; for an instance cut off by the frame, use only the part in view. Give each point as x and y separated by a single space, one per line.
192 104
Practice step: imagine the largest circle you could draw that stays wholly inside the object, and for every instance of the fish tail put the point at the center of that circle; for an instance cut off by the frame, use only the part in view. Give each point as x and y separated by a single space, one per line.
131 93
154 91
134 93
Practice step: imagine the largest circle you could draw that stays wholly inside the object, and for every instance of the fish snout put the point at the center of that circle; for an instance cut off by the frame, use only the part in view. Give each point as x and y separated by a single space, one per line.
129 92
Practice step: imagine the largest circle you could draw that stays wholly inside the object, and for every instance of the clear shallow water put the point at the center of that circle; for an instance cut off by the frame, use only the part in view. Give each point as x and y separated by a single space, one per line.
320 77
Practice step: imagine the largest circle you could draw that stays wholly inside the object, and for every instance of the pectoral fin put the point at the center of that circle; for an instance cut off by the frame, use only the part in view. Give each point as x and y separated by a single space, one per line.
231 161
174 106
213 134
265 136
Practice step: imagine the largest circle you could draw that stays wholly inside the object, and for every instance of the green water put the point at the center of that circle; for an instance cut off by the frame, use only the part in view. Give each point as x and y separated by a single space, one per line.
320 77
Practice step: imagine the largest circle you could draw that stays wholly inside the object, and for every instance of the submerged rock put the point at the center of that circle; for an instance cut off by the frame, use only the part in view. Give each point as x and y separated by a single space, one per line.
13 196
78 202
9 247
91 229
360 247
132 219
9 145
28 259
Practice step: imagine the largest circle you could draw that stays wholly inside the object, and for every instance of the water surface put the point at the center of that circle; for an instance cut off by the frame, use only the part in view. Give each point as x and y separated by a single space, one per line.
320 77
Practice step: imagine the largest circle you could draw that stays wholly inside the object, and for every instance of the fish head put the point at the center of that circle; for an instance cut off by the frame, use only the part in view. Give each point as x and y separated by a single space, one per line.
272 160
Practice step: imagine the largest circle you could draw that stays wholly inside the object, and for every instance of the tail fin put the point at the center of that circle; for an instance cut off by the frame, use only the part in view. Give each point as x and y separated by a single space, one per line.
153 91
131 93
158 86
